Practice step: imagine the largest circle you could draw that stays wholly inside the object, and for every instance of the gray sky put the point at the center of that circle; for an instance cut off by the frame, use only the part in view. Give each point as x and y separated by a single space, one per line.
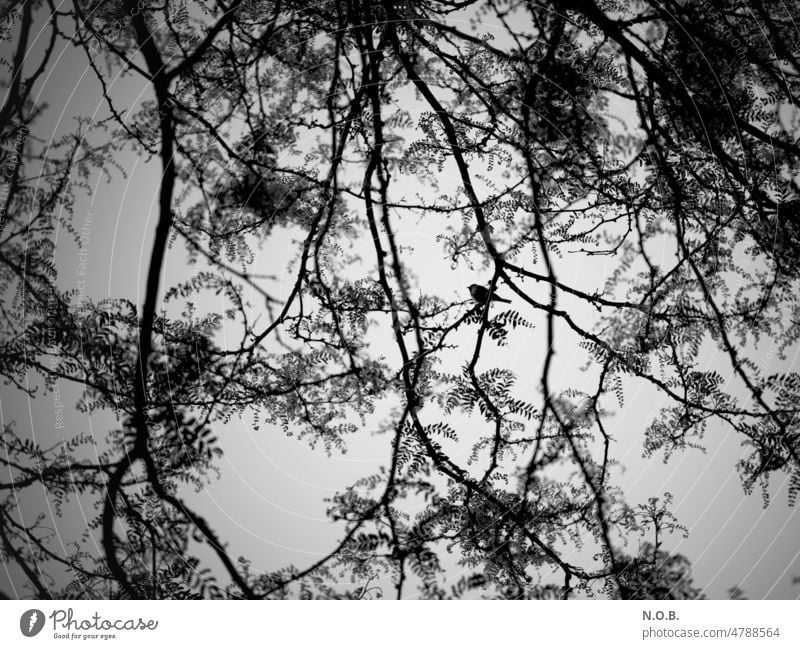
269 503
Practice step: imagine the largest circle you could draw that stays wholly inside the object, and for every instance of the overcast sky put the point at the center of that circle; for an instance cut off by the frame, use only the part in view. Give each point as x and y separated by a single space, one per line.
269 501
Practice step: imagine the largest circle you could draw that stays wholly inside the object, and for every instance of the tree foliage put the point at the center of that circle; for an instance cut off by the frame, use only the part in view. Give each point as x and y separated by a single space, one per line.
336 129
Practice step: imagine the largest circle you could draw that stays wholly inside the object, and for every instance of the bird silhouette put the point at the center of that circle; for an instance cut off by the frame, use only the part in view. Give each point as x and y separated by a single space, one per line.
481 295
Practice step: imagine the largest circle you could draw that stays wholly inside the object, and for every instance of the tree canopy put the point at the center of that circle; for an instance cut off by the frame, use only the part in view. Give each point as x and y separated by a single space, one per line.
626 174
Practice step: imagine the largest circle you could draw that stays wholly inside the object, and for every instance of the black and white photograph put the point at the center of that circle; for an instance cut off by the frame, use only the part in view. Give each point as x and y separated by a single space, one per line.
398 300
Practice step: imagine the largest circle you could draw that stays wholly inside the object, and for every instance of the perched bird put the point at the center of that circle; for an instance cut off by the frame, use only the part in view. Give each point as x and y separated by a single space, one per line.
481 294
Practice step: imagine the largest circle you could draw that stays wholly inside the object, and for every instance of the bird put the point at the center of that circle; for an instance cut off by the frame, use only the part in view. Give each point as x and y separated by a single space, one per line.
481 295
